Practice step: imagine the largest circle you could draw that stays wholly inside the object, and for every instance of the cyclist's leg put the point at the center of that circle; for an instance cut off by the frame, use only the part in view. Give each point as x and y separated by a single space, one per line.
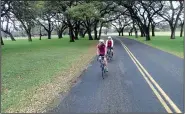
112 51
100 57
107 50
106 66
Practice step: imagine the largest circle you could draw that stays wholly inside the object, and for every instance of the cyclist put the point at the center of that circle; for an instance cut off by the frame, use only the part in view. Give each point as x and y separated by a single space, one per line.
109 44
101 51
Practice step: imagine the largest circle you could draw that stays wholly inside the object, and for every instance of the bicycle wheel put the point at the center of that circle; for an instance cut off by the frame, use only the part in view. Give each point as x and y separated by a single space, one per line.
111 56
108 55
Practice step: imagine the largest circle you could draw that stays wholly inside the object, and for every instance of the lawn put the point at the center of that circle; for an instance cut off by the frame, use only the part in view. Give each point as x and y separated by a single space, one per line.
175 46
29 66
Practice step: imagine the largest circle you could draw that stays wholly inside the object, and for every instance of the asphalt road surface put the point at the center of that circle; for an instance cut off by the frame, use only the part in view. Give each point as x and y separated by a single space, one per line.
149 81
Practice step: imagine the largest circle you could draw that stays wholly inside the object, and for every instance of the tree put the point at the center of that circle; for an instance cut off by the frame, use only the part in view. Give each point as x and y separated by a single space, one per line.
156 20
107 26
181 19
153 27
142 13
46 16
63 7
103 8
109 11
25 12
171 14
121 23
150 10
76 28
82 31
2 43
132 26
5 7
60 26
87 13
7 29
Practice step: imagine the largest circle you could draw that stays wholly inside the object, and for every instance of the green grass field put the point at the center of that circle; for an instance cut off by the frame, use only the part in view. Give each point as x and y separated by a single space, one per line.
175 46
26 65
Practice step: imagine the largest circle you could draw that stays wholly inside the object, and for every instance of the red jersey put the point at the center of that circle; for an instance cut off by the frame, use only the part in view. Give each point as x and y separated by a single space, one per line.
101 49
109 43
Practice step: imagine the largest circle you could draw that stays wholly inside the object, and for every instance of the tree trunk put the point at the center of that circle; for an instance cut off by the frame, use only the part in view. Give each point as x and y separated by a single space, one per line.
122 31
83 35
147 33
49 30
95 32
142 31
7 32
89 33
122 34
2 43
59 34
70 30
10 34
182 26
76 29
100 30
40 33
136 35
172 34
71 34
28 32
142 34
135 30
172 31
49 34
131 31
81 32
153 29
76 35
173 27
29 37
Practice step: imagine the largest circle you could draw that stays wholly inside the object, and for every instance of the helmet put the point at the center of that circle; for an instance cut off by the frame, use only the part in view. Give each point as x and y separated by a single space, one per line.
109 37
101 41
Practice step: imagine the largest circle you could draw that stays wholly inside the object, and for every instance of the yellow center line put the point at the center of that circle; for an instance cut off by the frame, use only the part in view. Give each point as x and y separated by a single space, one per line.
138 64
152 87
158 87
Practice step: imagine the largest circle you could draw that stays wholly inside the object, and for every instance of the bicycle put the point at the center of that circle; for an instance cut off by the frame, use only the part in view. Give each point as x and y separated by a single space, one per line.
109 54
102 65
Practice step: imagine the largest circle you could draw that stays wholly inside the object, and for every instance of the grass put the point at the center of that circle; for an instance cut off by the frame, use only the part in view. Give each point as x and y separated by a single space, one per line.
175 46
28 66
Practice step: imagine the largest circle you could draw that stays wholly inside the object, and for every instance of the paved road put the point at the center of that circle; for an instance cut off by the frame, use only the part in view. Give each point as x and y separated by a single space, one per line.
125 89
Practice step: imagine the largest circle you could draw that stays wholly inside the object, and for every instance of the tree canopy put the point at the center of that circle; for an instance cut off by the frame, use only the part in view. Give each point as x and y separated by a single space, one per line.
85 17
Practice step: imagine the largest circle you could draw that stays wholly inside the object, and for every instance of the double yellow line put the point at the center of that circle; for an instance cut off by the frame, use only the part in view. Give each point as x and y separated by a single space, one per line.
151 82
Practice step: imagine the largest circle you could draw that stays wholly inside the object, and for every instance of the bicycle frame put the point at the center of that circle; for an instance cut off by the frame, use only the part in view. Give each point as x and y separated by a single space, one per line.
102 65
109 54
